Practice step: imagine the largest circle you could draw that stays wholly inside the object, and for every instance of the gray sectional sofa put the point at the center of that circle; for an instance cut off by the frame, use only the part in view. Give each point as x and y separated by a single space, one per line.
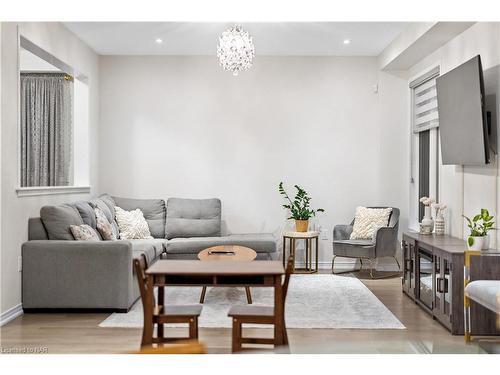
63 274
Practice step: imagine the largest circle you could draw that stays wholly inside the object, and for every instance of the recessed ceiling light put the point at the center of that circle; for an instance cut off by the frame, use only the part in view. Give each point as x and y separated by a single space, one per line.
347 41
159 40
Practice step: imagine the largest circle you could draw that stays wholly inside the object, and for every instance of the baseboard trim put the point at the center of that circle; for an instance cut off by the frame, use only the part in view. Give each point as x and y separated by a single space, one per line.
349 265
72 310
11 314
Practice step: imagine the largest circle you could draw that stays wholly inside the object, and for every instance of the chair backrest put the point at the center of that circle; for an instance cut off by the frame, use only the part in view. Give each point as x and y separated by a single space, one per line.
288 272
140 266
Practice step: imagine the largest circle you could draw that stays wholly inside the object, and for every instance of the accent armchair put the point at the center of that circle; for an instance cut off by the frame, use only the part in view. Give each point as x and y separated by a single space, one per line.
383 244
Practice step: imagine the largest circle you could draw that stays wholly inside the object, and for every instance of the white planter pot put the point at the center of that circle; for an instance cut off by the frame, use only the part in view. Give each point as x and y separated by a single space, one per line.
486 242
476 243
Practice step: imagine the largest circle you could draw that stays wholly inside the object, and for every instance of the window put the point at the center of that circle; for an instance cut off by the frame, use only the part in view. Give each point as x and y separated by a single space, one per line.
53 124
424 143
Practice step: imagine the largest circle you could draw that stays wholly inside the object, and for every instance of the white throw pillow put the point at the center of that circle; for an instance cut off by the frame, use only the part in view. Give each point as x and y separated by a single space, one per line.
367 220
132 224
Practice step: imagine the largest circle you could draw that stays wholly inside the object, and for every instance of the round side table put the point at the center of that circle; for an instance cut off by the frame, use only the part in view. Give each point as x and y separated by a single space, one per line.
309 238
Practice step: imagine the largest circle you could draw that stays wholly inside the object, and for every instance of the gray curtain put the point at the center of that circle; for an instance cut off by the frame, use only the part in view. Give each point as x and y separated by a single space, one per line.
46 129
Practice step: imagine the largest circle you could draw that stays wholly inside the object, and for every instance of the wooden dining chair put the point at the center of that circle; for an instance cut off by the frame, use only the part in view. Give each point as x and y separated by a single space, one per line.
251 314
166 314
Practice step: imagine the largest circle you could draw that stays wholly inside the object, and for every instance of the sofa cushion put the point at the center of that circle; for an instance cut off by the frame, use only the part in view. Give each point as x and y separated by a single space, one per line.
106 230
132 224
110 202
151 248
86 211
260 242
84 232
153 209
193 218
57 220
367 220
354 248
103 204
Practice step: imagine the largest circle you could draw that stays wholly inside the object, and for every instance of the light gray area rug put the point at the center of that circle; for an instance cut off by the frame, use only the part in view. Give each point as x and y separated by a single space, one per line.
313 301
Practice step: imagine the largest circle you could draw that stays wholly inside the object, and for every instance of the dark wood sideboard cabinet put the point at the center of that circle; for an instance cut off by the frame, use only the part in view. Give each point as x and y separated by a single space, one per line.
433 277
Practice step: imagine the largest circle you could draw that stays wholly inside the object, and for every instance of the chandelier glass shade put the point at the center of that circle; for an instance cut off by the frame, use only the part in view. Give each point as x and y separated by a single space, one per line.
235 50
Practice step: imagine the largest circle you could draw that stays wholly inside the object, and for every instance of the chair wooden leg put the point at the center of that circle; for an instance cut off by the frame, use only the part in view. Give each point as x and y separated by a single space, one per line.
203 292
285 337
249 295
193 334
236 344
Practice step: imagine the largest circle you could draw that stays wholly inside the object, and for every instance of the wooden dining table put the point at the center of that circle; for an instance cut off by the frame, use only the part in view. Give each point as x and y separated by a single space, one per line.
191 273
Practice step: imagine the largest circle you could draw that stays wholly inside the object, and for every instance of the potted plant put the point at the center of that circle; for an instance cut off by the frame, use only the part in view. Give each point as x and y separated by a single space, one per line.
479 227
299 207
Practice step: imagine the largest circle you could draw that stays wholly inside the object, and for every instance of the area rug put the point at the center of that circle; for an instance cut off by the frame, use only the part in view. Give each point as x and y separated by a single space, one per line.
313 301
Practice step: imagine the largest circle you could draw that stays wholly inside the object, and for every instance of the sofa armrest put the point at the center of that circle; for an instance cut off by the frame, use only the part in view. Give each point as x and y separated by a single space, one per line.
342 232
77 274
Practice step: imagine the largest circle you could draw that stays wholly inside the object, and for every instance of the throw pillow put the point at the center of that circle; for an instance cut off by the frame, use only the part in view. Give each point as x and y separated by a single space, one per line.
84 232
104 226
367 220
132 224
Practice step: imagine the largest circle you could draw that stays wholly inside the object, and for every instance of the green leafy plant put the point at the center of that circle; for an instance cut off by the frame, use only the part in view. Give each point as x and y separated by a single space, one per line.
480 225
299 207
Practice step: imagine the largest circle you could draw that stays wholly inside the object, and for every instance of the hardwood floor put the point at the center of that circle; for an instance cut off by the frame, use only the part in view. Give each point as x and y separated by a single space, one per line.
79 333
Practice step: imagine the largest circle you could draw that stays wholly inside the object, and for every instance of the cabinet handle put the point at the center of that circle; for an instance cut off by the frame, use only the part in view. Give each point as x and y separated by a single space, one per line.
409 265
441 285
438 285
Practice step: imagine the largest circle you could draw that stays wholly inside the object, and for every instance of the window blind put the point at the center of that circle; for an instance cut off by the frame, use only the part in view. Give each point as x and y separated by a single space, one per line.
425 105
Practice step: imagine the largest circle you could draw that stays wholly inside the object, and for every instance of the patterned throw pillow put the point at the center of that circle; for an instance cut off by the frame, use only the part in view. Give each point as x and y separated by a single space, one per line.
104 226
367 220
84 232
132 224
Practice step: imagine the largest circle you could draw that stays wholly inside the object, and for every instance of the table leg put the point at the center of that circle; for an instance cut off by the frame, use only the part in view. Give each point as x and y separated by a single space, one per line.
279 319
307 255
147 332
161 302
203 292
292 252
249 295
317 253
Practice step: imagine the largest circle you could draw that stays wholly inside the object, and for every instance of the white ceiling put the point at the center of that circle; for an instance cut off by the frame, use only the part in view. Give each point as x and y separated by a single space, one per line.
271 39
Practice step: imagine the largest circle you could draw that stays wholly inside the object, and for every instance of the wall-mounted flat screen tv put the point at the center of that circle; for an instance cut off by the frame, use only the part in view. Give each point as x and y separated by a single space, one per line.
463 126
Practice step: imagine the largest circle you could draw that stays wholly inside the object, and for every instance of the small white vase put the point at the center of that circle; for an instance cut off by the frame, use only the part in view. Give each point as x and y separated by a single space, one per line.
439 225
476 243
427 224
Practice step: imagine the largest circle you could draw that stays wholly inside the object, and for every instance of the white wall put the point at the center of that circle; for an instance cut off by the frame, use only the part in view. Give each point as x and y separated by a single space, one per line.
469 189
58 41
180 126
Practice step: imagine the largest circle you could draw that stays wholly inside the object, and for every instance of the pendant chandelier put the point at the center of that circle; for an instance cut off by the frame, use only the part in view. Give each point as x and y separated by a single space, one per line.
235 50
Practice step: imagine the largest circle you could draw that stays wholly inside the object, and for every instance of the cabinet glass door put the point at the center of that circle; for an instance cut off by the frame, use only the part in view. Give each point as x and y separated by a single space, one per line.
426 281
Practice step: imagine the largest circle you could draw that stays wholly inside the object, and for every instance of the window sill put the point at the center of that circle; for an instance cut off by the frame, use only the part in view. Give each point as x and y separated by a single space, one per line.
51 190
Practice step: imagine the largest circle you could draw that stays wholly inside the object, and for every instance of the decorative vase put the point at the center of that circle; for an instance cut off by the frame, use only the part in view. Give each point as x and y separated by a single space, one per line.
427 224
475 243
301 225
439 225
